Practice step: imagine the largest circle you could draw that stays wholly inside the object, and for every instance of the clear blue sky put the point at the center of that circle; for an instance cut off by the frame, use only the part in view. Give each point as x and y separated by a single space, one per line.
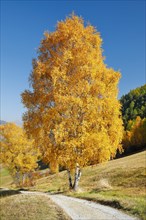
121 24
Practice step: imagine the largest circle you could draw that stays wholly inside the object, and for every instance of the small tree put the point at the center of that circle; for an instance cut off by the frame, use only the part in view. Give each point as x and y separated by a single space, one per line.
138 133
17 152
73 112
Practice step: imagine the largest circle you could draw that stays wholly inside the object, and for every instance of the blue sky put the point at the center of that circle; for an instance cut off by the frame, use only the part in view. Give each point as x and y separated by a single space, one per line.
122 28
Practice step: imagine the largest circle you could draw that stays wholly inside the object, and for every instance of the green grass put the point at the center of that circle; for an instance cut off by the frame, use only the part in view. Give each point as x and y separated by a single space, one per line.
135 205
34 207
5 178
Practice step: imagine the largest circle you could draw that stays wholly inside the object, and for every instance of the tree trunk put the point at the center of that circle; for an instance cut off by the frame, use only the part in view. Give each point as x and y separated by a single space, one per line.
24 176
77 178
70 179
54 166
17 178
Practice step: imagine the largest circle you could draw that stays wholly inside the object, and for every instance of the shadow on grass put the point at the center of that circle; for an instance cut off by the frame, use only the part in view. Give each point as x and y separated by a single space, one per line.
8 192
54 193
112 203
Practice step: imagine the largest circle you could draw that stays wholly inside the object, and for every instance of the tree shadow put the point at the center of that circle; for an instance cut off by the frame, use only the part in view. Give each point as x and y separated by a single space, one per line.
54 193
8 192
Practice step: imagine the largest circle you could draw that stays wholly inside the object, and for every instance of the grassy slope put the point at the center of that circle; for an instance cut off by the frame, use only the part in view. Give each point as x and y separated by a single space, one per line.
17 207
34 207
119 183
5 178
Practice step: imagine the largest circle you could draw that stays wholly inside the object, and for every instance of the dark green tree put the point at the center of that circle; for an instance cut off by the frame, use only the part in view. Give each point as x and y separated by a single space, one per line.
134 104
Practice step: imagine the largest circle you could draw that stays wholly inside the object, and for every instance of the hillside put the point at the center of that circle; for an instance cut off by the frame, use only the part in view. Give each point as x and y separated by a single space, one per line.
134 104
2 122
119 183
5 178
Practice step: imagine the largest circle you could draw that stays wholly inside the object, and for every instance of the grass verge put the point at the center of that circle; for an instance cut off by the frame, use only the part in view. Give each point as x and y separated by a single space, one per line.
34 207
131 205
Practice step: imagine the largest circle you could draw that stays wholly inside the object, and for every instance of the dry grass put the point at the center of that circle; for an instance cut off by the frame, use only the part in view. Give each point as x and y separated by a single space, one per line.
34 207
127 173
119 183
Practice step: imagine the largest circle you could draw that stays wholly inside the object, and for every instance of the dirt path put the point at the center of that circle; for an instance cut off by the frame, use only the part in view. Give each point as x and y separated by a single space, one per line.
79 209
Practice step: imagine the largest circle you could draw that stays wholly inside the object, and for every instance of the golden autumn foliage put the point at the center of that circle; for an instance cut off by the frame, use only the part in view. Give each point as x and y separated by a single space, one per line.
17 152
135 137
72 110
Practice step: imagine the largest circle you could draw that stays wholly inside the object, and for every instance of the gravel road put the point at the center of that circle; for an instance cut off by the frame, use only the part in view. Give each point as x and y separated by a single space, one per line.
79 209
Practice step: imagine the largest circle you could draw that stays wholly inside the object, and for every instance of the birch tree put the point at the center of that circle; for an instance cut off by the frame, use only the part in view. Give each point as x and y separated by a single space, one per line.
17 152
72 109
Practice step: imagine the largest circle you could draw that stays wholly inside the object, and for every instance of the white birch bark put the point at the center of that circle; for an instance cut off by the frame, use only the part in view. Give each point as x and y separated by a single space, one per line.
77 178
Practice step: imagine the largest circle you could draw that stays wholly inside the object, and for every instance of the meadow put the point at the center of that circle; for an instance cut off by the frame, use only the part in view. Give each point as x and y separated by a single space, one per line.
120 183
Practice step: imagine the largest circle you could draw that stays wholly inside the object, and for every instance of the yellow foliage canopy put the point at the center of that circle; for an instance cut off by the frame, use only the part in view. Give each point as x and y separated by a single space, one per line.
72 111
135 139
17 152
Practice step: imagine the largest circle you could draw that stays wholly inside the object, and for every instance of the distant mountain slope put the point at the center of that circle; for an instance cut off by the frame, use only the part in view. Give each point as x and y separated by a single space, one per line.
134 104
19 123
2 122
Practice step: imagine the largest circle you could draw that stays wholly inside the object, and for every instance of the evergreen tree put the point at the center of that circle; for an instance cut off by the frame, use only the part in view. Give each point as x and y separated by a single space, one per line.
134 104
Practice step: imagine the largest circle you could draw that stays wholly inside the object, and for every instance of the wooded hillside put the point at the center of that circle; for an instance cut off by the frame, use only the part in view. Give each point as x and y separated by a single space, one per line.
134 104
